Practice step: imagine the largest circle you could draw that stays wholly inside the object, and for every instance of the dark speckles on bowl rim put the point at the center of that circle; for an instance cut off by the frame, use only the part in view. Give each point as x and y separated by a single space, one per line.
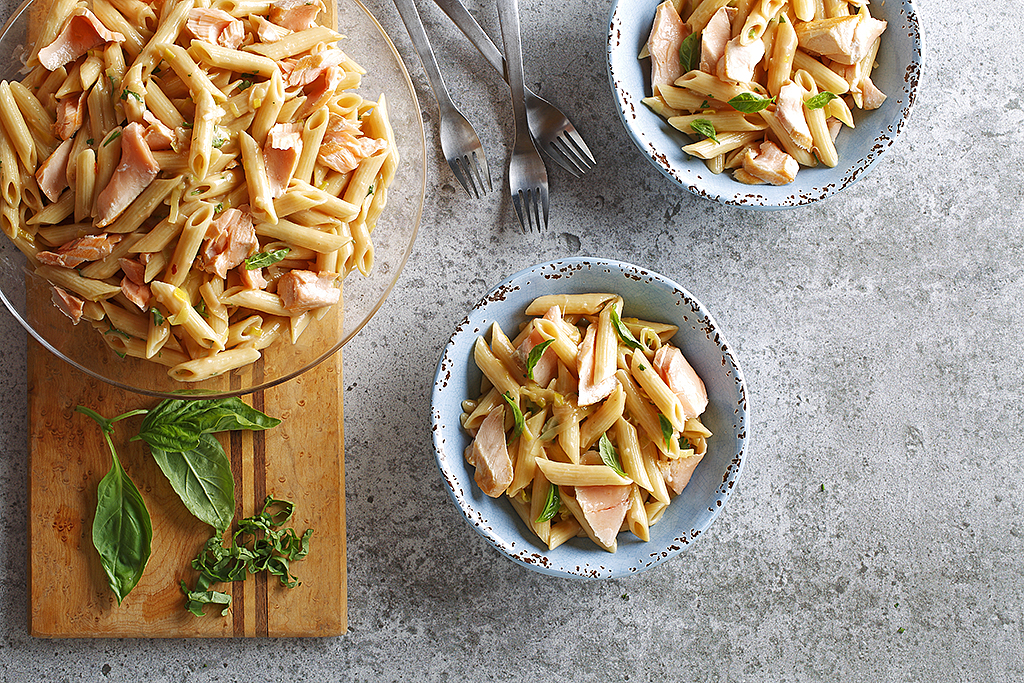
647 295
898 75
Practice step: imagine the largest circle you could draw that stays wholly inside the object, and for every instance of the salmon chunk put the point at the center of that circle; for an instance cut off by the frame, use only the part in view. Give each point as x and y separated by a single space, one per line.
871 96
714 37
667 34
231 237
70 115
677 472
158 136
604 508
138 294
52 174
489 454
344 146
739 61
681 378
790 110
215 26
76 252
69 304
304 290
268 32
136 171
771 164
842 39
295 15
306 69
590 393
133 270
82 32
281 155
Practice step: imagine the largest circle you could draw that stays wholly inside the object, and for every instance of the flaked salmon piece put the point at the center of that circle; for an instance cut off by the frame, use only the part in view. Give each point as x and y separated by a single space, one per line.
136 293
604 508
215 26
70 115
69 304
76 252
771 164
547 366
82 32
304 290
790 110
681 378
158 135
677 472
268 32
231 237
842 39
295 14
590 393
252 279
667 34
321 89
489 454
739 61
281 155
871 96
714 37
306 69
133 270
344 146
52 175
136 171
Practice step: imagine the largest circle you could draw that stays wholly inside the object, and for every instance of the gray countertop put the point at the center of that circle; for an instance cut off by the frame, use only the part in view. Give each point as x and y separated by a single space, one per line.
877 531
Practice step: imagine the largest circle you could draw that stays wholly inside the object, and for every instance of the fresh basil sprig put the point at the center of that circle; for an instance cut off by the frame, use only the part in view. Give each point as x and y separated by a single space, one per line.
122 531
266 258
689 52
705 128
520 421
820 100
749 103
625 335
202 479
666 428
535 355
610 456
176 424
551 505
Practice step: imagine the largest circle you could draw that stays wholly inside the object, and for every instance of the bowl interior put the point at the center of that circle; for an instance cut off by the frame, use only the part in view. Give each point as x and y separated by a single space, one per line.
897 75
647 295
28 296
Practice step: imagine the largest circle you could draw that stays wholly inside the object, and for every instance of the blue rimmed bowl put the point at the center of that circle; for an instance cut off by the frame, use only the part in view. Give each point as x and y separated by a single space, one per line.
647 295
897 75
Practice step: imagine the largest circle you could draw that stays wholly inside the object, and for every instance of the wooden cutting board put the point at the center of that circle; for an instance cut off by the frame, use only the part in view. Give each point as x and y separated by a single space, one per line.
301 460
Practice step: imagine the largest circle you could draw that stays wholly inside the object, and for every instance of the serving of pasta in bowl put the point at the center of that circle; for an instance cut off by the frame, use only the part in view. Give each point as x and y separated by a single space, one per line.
589 419
764 103
203 196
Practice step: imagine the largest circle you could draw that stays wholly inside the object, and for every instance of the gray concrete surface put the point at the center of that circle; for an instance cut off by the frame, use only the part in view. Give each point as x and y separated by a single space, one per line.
880 333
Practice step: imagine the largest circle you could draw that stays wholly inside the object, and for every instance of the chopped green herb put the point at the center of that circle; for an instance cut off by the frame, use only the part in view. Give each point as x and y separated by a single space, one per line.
197 191
266 258
822 486
113 136
125 94
900 630
121 354
520 422
749 103
703 104
219 141
90 141
610 456
186 124
219 207
551 505
369 190
705 128
158 317
245 84
666 428
113 330
689 52
820 100
201 309
535 354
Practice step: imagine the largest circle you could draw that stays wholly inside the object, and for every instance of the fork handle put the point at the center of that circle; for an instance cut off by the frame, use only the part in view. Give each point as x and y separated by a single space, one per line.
461 17
508 17
413 23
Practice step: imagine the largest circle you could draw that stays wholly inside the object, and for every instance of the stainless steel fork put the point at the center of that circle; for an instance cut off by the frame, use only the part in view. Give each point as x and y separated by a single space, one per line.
459 142
551 129
527 177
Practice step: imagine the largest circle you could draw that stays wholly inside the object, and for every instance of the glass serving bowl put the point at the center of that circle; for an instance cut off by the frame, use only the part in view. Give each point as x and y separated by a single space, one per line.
28 296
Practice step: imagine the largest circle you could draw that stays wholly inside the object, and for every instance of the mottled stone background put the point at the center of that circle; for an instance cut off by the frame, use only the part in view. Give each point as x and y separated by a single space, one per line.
880 335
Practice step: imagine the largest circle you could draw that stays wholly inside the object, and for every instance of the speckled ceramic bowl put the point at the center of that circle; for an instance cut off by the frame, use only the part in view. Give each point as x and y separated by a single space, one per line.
647 295
897 75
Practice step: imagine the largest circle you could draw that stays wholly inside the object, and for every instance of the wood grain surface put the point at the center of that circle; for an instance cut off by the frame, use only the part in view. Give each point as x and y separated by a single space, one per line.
301 460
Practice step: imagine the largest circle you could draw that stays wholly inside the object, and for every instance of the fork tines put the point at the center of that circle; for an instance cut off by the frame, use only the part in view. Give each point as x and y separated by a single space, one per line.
528 204
571 153
471 170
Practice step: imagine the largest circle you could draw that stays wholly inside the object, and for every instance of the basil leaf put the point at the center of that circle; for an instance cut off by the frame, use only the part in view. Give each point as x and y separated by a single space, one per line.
625 335
551 505
535 354
820 100
266 258
176 424
705 128
689 52
202 479
749 103
122 531
520 423
610 456
195 601
666 428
